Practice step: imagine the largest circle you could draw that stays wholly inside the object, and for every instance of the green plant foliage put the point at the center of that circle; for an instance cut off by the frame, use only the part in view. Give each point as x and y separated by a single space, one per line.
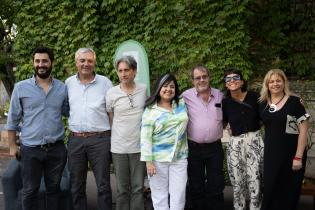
176 34
283 37
62 25
7 14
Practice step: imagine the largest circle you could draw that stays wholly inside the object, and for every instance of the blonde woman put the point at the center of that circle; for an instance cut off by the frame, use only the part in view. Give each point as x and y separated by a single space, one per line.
286 125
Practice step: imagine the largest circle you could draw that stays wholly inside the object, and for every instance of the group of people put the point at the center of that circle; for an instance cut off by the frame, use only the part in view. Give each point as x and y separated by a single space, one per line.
269 172
173 138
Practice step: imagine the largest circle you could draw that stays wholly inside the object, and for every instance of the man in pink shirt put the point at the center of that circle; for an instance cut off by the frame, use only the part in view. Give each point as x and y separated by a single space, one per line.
205 130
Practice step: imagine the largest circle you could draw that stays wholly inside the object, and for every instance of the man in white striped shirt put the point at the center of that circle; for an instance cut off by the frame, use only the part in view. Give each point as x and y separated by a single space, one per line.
89 140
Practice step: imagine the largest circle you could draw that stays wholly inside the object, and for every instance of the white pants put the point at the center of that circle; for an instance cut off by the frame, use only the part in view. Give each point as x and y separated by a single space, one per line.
170 179
245 163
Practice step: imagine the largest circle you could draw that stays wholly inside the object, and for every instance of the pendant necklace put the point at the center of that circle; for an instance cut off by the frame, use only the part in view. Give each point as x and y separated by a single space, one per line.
272 106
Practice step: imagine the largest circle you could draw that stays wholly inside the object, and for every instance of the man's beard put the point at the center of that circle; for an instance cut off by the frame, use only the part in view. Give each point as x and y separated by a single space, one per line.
43 74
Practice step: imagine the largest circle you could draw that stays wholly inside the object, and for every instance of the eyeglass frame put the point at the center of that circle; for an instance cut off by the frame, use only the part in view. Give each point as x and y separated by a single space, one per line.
203 77
131 104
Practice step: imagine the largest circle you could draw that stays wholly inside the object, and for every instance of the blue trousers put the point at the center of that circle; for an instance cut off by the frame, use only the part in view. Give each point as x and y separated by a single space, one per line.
37 162
205 175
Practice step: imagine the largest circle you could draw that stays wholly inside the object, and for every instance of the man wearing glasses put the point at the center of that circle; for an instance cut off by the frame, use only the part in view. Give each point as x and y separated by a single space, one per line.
89 140
125 105
205 130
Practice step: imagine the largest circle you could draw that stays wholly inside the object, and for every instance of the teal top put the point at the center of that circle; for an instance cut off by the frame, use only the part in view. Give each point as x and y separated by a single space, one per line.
163 133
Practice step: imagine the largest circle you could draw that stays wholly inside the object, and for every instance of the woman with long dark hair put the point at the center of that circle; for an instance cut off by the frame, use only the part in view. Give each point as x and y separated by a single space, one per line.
164 144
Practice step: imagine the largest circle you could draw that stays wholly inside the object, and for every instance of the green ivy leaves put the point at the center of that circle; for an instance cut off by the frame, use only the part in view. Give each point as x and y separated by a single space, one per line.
176 34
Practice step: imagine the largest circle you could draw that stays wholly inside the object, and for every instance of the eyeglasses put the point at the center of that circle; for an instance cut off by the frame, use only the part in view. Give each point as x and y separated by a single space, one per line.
235 78
130 100
203 77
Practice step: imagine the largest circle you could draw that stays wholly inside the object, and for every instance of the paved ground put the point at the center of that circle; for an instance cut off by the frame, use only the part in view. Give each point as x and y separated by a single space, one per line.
305 203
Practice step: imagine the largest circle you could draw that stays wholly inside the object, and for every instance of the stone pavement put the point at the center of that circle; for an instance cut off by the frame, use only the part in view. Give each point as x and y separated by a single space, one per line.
306 202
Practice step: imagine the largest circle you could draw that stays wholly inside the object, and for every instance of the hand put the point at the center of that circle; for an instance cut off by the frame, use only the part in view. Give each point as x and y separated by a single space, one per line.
296 165
151 170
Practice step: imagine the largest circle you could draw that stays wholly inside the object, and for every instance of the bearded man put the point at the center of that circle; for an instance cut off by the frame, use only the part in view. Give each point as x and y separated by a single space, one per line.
37 105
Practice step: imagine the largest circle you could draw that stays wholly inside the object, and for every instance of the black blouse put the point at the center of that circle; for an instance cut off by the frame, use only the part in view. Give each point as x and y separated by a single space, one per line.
243 116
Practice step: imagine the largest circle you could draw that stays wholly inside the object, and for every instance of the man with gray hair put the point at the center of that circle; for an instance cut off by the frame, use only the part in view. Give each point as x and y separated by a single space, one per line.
125 105
89 140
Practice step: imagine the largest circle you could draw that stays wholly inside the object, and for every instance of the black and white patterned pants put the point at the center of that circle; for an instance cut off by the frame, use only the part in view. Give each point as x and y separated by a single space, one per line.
245 164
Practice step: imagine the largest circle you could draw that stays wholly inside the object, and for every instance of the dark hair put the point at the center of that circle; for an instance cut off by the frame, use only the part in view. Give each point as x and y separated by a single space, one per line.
233 70
47 50
166 78
199 67
129 60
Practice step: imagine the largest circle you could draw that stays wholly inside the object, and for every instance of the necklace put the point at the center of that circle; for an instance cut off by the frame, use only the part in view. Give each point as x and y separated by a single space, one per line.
273 107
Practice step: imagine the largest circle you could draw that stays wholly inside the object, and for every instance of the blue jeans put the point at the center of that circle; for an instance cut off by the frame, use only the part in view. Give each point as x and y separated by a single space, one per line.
205 175
37 162
96 151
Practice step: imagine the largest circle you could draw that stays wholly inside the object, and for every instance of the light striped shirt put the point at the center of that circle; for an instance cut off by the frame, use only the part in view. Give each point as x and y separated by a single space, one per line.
88 104
163 133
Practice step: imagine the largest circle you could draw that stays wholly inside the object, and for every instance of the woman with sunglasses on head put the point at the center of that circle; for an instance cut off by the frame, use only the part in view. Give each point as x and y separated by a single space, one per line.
164 145
286 126
245 149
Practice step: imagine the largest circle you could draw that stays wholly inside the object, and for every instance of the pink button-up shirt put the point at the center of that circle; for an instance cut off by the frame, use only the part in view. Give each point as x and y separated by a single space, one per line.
205 118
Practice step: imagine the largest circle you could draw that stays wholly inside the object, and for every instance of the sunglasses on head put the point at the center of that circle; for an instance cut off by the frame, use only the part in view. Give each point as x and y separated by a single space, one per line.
230 78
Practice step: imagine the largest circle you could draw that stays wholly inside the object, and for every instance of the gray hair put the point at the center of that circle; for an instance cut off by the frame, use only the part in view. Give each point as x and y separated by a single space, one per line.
84 50
129 60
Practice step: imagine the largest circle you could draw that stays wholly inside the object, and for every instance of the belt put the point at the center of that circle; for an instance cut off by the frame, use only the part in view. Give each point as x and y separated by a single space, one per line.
91 134
203 144
48 145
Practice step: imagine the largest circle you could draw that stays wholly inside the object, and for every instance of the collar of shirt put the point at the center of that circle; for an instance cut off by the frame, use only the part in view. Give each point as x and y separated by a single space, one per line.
34 81
77 76
198 95
155 106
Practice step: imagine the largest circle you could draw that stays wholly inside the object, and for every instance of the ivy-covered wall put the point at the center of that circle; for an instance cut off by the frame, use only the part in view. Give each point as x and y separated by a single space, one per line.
176 34
282 36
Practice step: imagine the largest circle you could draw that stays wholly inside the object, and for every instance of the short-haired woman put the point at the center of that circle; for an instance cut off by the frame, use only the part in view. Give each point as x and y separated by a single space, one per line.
245 148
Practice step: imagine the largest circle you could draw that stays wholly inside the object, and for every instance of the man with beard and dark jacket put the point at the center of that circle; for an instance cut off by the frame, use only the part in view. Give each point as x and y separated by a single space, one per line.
37 105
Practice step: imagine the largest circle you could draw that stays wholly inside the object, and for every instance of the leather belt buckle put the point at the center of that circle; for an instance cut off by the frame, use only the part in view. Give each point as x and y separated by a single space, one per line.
91 134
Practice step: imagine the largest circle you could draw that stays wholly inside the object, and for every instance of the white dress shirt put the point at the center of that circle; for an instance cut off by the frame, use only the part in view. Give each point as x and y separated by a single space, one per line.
88 104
